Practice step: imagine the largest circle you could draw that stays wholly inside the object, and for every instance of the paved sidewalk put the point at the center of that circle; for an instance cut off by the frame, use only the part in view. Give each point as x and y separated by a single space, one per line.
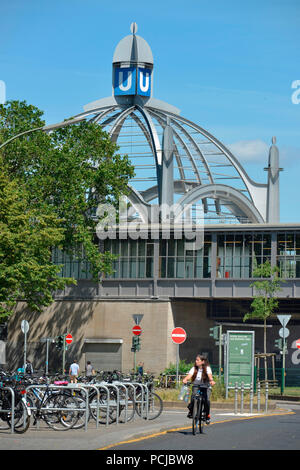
103 437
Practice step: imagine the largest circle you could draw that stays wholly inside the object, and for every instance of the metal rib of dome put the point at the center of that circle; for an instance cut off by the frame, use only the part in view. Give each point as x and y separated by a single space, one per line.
204 172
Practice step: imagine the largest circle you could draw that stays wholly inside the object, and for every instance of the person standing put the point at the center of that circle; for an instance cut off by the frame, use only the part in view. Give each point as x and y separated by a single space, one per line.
89 369
28 367
74 371
140 368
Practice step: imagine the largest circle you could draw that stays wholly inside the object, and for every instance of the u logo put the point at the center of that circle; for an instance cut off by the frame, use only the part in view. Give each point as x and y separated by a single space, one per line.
123 78
144 82
124 81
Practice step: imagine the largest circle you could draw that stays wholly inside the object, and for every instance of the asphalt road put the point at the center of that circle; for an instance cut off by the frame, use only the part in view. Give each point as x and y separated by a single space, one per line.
276 432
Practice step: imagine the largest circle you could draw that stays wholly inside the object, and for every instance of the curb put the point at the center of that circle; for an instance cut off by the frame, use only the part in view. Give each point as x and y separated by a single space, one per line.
216 406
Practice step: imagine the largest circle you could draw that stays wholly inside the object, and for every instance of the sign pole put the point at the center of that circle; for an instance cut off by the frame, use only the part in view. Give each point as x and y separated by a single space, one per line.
25 348
220 350
25 328
177 364
283 364
178 337
64 354
47 355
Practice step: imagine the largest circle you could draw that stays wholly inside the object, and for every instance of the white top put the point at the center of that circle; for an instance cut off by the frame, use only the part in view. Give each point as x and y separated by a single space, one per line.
74 368
199 373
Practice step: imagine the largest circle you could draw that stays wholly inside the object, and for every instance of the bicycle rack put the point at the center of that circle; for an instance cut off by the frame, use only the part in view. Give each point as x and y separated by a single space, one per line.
62 387
11 390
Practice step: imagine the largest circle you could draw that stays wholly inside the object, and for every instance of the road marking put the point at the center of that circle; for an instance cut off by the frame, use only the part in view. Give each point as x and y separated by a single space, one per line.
161 433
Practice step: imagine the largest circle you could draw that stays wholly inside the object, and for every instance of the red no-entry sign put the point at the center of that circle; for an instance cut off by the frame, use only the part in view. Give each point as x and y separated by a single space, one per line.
178 335
298 343
136 330
69 339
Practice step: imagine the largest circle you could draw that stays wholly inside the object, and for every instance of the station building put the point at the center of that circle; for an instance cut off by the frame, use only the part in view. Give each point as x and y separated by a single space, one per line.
193 228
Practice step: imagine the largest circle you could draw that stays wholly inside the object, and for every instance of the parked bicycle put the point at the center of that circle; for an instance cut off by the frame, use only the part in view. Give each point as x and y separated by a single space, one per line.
14 411
58 408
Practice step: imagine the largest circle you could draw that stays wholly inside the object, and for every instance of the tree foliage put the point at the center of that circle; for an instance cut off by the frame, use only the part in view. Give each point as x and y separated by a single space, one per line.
265 301
58 179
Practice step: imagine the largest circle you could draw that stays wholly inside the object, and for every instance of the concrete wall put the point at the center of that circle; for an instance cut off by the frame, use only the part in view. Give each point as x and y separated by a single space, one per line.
94 320
109 319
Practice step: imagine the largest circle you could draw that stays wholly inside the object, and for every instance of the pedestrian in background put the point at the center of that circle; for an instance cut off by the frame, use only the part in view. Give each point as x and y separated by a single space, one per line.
28 367
140 368
74 371
89 370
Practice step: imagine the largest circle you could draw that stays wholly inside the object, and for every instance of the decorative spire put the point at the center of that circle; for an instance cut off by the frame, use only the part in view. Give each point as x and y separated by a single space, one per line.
133 28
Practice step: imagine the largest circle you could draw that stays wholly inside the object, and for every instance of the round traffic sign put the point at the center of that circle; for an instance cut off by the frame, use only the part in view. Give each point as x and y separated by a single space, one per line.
69 339
284 332
137 330
24 326
178 335
298 343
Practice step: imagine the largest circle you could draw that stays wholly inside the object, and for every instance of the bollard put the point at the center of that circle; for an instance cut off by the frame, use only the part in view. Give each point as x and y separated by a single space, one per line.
236 389
242 397
267 397
251 397
258 397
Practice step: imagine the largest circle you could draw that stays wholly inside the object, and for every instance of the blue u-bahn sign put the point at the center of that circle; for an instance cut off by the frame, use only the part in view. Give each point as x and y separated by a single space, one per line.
132 81
144 82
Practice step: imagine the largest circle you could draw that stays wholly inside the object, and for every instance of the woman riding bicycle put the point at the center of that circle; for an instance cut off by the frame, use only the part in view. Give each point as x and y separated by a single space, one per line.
200 374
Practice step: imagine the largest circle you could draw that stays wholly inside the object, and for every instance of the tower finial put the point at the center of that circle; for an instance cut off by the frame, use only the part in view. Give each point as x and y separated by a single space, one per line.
274 140
133 28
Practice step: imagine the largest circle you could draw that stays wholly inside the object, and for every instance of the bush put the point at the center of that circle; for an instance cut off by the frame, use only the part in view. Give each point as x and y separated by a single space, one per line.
183 368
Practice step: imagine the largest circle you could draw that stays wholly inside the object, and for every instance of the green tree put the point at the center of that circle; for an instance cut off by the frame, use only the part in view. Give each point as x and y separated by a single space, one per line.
265 301
65 173
26 271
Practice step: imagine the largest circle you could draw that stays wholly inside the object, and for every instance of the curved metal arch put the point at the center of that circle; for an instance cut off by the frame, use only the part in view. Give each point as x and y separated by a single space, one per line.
163 124
249 183
195 145
222 192
115 130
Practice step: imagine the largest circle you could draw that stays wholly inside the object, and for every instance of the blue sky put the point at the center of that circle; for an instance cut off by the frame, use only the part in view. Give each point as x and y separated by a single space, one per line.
227 65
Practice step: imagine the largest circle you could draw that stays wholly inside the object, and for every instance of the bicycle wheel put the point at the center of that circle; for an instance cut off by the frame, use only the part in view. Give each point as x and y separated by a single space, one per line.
102 408
61 412
201 416
81 413
155 406
195 415
21 418
122 406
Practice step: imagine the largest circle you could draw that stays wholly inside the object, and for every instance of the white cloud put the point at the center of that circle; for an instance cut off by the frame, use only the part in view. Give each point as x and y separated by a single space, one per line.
257 151
247 151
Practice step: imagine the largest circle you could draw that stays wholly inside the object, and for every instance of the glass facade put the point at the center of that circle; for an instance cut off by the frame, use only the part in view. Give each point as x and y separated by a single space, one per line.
288 254
238 254
223 255
71 267
179 259
134 258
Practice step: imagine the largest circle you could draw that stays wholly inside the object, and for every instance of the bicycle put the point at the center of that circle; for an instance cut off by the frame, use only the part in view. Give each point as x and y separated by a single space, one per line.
153 401
59 409
199 415
21 413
